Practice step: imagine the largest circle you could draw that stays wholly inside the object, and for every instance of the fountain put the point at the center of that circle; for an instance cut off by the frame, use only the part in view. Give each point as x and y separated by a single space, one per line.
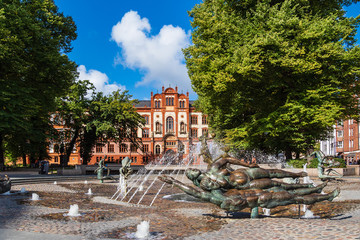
35 197
251 186
55 182
89 192
73 211
6 193
23 190
266 211
143 230
85 182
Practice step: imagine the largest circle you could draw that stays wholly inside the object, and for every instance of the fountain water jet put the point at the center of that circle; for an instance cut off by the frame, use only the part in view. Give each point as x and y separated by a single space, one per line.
73 211
35 197
89 192
142 230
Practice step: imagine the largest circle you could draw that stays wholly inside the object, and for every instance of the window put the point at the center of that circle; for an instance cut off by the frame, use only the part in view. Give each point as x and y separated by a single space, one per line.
56 148
157 103
340 133
340 144
169 124
351 143
145 148
111 148
194 119
51 148
123 148
134 132
351 121
145 133
194 132
134 159
133 148
182 127
146 119
204 120
99 149
205 132
351 132
157 150
158 127
169 101
171 144
341 123
56 159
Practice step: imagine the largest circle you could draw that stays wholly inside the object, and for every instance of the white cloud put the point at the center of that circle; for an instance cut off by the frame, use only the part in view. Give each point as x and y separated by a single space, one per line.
99 79
159 57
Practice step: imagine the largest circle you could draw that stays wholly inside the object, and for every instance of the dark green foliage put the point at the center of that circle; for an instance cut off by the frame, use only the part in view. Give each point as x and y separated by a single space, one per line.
274 75
34 69
94 118
299 163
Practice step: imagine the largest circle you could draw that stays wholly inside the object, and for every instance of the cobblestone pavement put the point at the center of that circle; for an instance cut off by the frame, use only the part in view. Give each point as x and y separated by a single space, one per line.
18 221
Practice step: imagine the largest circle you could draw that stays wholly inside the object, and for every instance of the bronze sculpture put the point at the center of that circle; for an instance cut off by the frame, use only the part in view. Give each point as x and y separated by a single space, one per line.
249 187
236 200
219 177
5 184
125 169
100 170
326 162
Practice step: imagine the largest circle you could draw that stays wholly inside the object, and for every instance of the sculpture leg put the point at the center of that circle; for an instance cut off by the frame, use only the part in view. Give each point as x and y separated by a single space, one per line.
306 191
313 198
277 173
255 212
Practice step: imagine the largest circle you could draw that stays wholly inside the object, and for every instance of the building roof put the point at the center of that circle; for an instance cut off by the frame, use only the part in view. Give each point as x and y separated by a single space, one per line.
143 103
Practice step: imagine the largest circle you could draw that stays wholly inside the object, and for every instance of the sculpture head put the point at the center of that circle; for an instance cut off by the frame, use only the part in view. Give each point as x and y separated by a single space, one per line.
209 184
126 162
192 173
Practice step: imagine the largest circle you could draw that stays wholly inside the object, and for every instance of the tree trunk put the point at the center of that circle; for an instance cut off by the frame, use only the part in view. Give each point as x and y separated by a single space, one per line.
288 154
2 157
24 160
70 147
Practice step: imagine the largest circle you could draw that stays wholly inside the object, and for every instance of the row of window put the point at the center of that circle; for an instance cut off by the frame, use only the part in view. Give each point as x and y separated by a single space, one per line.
193 120
340 133
123 148
340 144
112 159
169 101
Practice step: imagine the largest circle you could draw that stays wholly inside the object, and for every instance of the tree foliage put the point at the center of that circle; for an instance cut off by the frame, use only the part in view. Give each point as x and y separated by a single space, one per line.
34 37
92 118
274 75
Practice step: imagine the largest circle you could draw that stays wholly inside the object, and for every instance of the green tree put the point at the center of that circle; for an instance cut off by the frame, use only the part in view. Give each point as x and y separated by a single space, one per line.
274 75
92 118
34 38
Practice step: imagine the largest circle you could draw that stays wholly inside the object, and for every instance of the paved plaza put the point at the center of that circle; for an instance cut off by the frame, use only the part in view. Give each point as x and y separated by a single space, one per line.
21 218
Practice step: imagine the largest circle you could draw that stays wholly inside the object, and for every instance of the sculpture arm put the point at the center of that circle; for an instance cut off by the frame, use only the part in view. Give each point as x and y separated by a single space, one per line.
220 163
187 189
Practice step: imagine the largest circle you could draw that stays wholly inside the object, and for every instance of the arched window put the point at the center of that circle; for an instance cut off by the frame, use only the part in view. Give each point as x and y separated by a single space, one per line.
169 124
157 150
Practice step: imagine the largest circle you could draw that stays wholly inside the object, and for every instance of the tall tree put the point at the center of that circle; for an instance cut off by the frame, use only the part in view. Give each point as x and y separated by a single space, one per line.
91 118
274 75
34 37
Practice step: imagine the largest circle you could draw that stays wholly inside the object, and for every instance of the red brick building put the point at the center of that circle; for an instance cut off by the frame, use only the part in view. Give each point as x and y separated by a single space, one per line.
171 126
347 141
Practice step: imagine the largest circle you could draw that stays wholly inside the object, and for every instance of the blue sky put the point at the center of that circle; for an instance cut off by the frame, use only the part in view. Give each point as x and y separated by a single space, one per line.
134 45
